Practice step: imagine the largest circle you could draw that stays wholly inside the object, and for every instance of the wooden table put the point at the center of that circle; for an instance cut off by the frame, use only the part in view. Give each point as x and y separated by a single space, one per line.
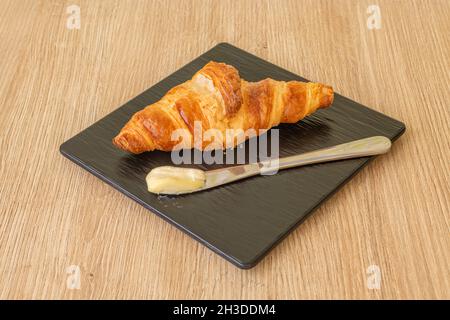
55 81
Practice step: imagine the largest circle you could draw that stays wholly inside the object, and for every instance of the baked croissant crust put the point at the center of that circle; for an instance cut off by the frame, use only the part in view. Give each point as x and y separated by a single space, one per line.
217 98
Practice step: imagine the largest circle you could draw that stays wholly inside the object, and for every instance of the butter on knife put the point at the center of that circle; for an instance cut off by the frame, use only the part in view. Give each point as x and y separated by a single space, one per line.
173 180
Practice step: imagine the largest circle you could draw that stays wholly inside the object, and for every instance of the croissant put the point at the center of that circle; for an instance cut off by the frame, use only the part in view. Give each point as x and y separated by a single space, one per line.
217 98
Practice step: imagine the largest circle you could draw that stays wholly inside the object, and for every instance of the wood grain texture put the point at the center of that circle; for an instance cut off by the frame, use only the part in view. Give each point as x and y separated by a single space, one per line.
55 82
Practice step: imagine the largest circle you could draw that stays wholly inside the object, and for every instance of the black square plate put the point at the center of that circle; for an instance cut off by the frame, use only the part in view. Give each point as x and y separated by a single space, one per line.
241 221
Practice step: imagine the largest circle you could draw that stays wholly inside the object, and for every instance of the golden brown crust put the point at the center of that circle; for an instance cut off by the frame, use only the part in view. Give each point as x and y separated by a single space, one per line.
226 79
189 109
260 97
296 95
219 99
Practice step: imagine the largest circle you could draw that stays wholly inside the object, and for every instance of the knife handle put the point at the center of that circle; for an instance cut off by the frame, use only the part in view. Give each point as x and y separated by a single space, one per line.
354 149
